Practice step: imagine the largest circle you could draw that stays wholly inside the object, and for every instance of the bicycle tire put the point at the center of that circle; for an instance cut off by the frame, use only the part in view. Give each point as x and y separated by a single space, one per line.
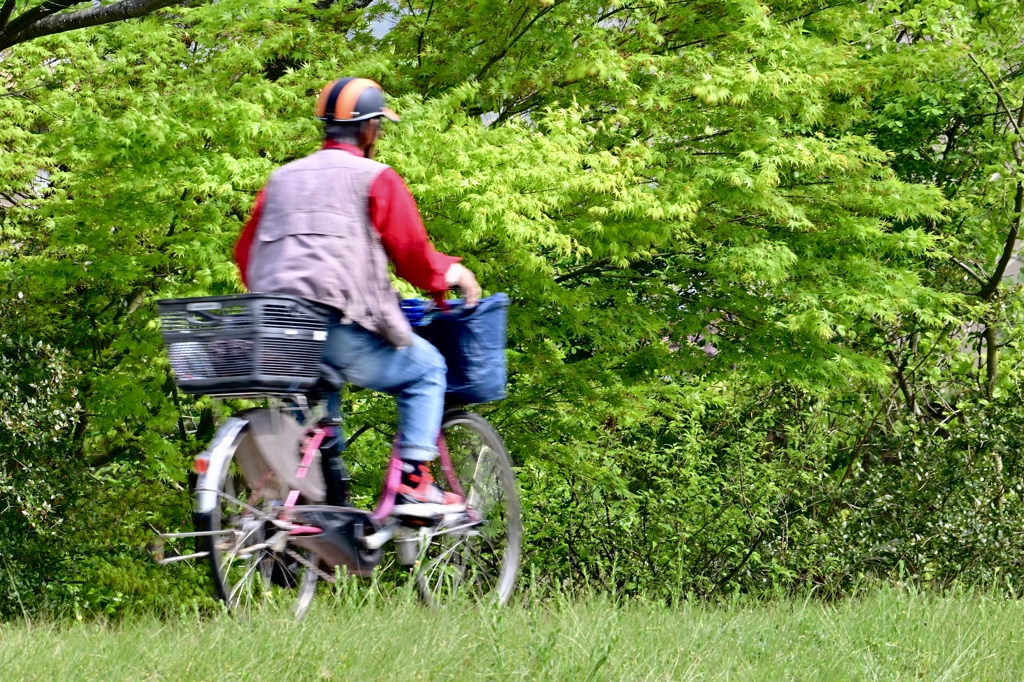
479 562
265 574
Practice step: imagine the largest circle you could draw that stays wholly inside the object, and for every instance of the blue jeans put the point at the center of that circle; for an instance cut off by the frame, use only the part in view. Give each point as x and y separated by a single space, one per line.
415 375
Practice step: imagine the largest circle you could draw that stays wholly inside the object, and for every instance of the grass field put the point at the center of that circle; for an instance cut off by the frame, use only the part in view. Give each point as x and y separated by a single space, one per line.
888 635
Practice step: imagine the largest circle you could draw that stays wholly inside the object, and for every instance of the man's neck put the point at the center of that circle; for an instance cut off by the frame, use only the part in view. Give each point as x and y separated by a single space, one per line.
343 146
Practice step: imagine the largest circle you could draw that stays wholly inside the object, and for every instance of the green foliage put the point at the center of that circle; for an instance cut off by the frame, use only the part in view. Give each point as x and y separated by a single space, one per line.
756 255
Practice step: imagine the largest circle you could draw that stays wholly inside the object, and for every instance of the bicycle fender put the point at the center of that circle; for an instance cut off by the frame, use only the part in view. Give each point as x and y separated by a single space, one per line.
218 455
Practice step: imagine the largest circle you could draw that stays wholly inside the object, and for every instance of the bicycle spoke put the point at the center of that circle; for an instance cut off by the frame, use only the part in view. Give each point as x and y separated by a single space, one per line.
247 570
244 580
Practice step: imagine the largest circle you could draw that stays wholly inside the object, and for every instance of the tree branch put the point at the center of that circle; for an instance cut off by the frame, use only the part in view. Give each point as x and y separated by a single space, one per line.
583 270
1010 245
37 13
901 379
991 360
999 94
51 23
423 28
493 60
353 4
5 14
816 10
1008 248
969 270
360 431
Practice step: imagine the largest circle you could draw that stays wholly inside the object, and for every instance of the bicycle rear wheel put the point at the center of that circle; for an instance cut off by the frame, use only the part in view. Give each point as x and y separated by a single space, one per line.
475 556
251 562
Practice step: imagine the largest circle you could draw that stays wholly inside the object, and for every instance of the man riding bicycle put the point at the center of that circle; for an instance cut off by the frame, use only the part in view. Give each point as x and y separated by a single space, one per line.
325 228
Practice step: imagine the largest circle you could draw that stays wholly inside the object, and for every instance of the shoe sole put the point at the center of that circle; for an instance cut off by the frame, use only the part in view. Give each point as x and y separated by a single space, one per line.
426 510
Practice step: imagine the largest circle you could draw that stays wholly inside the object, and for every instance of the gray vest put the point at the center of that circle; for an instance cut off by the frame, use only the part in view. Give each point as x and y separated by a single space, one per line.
315 240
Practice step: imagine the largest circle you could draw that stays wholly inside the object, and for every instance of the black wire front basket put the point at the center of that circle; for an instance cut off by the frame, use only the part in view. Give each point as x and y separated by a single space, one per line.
243 344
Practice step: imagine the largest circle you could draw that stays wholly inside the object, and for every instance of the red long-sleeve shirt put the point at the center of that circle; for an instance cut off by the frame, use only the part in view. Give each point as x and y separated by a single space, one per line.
393 212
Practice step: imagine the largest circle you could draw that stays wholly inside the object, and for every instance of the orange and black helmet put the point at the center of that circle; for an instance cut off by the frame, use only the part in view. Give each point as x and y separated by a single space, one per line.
348 100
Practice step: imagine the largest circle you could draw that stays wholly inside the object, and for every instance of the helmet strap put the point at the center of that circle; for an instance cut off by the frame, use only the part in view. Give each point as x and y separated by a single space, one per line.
368 135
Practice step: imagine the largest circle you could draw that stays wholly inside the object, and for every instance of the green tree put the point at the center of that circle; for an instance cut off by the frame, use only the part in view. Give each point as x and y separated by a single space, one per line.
728 248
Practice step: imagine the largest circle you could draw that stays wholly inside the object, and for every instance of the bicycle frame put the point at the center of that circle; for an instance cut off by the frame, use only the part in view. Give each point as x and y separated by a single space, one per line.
210 466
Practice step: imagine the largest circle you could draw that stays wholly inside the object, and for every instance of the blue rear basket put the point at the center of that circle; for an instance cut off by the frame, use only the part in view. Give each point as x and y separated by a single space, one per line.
472 341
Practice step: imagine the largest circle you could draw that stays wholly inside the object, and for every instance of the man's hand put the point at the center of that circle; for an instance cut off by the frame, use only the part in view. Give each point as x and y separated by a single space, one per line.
462 277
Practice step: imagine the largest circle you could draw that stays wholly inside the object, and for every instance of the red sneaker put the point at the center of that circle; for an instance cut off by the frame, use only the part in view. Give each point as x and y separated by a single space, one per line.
418 496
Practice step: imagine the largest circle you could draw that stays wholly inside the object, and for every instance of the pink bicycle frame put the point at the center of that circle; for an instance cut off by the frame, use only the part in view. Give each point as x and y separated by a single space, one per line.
314 438
394 475
386 503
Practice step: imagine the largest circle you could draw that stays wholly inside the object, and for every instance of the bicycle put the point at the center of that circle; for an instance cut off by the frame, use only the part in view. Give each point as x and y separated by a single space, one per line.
258 517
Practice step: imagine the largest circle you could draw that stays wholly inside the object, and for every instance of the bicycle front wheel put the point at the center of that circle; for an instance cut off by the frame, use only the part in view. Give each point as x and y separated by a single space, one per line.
476 556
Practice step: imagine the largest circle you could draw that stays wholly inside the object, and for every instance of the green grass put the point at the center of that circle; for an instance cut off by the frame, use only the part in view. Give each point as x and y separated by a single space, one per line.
887 635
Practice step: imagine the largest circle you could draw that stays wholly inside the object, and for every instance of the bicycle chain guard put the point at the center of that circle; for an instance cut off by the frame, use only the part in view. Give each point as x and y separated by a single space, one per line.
338 545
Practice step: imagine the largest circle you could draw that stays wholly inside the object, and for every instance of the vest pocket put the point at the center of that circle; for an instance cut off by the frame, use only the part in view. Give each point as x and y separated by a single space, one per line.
324 223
